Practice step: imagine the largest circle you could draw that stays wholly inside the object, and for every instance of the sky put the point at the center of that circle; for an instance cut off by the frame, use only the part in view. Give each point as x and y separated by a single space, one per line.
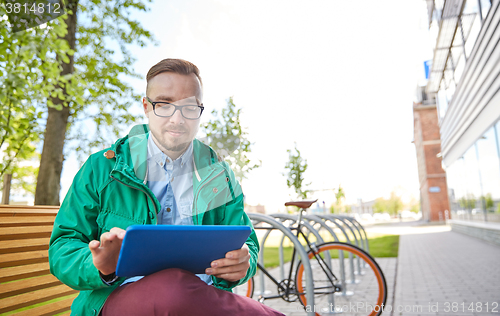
336 77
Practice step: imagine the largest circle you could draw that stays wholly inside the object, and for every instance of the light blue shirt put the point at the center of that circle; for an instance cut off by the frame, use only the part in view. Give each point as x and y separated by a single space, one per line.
171 181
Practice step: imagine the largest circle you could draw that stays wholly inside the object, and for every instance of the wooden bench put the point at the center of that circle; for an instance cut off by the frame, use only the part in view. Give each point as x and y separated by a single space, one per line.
25 278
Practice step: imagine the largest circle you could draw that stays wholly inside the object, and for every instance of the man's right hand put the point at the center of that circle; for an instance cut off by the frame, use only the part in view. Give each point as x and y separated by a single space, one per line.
105 253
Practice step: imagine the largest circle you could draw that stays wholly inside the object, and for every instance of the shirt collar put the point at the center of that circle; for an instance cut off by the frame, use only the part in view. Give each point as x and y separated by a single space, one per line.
155 154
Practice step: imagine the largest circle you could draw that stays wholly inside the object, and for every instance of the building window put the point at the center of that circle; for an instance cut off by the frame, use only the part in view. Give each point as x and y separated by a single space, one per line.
489 167
459 70
474 33
442 101
485 7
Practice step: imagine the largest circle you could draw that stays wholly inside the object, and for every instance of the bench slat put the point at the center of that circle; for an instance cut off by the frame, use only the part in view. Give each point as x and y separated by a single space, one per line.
24 210
17 221
49 309
12 233
23 272
22 258
23 245
12 303
25 277
28 285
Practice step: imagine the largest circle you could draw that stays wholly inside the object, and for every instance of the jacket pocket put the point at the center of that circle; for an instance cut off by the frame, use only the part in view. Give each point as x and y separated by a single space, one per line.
107 220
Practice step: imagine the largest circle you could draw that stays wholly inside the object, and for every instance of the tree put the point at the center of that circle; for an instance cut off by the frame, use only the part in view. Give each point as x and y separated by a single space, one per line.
338 206
488 202
468 201
225 135
28 73
340 195
392 205
296 167
414 205
90 88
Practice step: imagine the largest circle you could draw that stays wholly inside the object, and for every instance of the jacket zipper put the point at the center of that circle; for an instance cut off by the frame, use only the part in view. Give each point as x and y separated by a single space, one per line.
139 190
196 199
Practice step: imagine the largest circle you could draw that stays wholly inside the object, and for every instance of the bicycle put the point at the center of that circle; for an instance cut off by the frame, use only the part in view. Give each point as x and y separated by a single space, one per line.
365 294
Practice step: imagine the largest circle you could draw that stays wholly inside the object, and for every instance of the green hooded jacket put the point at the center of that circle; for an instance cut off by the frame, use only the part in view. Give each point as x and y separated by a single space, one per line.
108 193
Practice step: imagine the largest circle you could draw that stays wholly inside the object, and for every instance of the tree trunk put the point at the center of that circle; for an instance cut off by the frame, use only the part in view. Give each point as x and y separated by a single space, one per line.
7 179
51 162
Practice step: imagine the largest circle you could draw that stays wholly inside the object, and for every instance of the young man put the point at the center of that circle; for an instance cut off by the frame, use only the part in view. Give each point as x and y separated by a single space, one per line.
158 174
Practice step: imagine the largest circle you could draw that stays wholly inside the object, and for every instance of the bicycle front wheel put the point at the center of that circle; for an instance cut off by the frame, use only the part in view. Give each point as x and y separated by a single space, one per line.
355 286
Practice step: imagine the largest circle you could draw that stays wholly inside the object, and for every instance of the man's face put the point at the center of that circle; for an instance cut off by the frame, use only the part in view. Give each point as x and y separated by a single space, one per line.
172 134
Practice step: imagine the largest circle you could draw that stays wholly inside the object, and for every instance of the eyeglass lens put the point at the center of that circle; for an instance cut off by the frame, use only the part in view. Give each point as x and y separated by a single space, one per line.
188 111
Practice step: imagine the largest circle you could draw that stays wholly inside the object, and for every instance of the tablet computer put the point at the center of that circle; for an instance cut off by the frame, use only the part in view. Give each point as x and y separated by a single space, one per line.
147 249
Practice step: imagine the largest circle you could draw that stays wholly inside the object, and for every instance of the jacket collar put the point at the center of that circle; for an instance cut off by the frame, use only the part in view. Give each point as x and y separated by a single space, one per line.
131 156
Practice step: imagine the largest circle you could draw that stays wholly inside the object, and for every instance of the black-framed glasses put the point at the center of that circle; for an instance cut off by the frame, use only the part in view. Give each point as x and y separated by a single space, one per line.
167 109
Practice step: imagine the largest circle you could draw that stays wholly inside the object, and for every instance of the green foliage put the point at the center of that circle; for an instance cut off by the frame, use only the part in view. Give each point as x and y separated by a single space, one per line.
340 195
296 167
24 178
467 202
30 67
392 205
226 136
415 206
106 99
29 74
488 201
338 206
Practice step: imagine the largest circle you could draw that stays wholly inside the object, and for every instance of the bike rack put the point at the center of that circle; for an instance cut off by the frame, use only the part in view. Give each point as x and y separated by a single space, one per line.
334 220
317 219
261 261
261 218
358 226
344 221
365 239
285 217
316 233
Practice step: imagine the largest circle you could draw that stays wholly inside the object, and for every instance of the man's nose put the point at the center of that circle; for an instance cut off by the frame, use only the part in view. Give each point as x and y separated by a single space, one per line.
177 118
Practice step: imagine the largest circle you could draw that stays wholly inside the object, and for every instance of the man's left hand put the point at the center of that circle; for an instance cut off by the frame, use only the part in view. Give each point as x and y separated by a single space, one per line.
233 267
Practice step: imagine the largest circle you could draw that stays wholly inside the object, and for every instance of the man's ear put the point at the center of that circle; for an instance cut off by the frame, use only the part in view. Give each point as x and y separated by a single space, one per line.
145 105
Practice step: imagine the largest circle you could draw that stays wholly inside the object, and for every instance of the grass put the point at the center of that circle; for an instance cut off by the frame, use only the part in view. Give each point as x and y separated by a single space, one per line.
385 246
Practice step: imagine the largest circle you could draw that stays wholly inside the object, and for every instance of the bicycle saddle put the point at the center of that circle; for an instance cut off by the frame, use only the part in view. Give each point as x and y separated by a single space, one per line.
301 204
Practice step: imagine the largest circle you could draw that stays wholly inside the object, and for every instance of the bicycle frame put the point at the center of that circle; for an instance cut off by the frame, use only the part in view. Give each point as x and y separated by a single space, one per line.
290 289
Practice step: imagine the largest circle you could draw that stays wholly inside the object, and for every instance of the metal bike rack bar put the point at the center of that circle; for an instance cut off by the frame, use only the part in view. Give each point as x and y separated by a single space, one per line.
333 220
365 239
359 226
343 220
258 218
317 219
315 232
328 217
306 224
261 261
282 259
285 217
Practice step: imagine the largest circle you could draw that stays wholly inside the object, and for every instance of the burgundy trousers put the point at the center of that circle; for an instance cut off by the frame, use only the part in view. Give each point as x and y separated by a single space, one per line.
176 292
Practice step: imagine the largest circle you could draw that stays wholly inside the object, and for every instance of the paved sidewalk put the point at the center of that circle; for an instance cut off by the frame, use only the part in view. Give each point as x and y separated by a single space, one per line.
437 272
443 273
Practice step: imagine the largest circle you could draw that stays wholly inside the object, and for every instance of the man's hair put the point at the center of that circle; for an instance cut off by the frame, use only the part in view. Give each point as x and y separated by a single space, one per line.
178 66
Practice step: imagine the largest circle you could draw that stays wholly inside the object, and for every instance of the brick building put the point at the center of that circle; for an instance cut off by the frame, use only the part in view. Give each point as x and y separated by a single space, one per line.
432 177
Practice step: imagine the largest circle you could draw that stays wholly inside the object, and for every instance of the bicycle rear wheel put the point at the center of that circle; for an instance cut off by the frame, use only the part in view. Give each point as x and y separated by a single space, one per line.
360 289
